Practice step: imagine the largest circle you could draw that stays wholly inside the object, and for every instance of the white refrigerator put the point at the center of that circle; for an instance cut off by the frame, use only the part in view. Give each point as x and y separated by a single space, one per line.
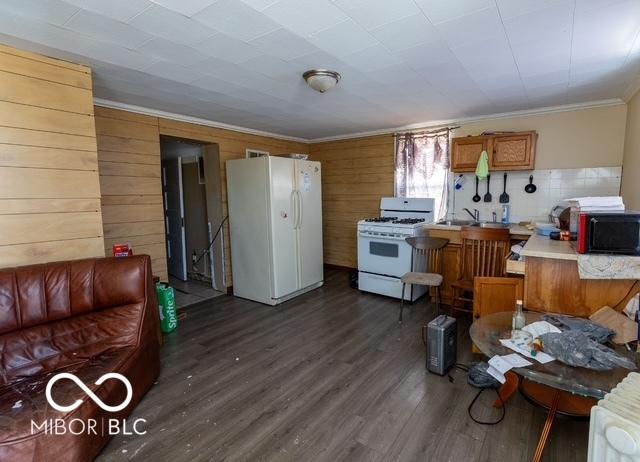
275 217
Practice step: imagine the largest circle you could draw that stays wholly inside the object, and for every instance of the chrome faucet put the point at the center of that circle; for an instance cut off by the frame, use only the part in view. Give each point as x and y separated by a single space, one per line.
475 214
495 216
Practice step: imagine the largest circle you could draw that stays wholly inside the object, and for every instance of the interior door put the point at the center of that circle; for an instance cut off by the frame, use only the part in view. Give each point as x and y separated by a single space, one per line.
283 217
174 217
309 191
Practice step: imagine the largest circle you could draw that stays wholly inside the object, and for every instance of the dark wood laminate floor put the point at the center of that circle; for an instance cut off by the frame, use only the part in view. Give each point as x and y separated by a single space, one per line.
328 376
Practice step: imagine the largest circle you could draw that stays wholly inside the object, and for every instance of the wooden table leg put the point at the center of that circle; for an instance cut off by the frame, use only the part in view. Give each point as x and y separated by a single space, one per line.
546 430
507 389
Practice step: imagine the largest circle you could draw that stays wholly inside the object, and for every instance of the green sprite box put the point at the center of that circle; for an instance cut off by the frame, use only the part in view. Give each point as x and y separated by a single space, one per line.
167 306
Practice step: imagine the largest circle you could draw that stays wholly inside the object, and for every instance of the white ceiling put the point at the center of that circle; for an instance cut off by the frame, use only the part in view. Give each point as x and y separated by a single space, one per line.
402 61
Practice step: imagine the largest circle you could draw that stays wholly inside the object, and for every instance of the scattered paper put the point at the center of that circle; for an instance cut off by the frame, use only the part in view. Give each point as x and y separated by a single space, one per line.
496 374
536 329
541 357
499 365
508 362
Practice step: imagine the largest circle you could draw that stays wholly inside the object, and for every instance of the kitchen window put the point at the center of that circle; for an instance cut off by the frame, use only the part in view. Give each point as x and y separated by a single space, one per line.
422 167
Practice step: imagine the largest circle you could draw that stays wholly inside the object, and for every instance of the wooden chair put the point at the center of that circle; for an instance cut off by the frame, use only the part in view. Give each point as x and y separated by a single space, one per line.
429 251
483 254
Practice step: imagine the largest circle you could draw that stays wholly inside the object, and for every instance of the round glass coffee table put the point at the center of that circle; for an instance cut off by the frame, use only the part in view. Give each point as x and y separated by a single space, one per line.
557 387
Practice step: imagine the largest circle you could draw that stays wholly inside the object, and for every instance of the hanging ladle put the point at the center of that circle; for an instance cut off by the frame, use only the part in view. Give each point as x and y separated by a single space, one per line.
476 198
530 188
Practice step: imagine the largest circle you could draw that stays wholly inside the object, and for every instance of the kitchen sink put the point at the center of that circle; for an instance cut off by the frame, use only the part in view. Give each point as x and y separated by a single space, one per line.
491 224
483 224
456 223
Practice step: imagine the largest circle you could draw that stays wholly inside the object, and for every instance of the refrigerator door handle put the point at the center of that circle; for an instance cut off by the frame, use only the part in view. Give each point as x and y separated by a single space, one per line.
294 208
299 209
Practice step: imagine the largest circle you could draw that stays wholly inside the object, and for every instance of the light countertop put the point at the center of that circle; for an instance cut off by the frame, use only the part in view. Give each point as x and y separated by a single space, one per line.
514 228
590 266
542 246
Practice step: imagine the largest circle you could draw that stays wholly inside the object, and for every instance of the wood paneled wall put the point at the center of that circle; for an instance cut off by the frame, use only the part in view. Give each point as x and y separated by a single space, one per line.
49 188
232 145
355 175
129 155
129 163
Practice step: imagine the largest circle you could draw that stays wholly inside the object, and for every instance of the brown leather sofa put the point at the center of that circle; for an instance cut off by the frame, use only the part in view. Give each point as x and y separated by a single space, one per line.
85 317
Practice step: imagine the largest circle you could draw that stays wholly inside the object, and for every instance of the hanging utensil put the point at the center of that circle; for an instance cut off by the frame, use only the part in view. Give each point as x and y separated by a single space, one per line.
530 188
476 198
504 197
487 197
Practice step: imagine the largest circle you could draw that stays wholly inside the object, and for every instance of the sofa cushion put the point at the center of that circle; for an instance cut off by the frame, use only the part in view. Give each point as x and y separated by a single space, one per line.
57 345
37 294
25 401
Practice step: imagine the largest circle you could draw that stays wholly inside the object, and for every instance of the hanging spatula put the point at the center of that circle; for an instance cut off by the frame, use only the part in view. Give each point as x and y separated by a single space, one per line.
504 197
487 197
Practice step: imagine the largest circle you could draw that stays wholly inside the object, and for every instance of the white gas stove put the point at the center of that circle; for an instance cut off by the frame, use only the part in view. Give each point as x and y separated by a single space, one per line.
383 254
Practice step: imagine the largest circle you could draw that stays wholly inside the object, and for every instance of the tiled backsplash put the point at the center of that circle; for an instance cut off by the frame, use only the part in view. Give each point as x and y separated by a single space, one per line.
552 187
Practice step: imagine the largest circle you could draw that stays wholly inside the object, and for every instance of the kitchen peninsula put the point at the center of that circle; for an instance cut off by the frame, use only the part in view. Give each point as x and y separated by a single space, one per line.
555 277
558 279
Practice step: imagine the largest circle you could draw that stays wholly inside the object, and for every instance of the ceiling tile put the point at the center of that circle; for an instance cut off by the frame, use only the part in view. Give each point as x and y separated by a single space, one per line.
371 58
172 71
185 7
49 11
170 25
513 8
374 14
107 30
479 64
272 67
305 17
444 10
551 24
169 51
283 44
259 5
427 55
236 20
343 39
226 48
481 25
120 10
406 33
608 33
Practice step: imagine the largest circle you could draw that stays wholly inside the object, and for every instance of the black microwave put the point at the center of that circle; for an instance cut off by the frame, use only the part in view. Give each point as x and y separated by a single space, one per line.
609 233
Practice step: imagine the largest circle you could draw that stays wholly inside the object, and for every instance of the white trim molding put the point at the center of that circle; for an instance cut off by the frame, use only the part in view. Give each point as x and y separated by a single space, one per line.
384 131
193 120
463 120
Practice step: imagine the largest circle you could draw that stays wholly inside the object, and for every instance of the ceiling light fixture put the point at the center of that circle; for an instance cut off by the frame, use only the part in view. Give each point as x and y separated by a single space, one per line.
321 79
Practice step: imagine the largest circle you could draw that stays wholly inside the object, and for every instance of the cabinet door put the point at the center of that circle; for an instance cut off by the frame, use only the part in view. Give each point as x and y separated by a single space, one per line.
450 265
492 295
514 152
466 152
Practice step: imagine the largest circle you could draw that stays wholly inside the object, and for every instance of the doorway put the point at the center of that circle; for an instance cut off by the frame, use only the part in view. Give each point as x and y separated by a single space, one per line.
192 200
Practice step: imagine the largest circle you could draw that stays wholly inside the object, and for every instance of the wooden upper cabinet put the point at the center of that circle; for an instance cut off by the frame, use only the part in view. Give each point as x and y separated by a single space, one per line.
466 152
513 151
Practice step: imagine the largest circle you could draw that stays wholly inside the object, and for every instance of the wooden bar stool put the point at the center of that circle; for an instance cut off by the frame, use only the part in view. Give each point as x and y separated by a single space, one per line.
427 252
483 254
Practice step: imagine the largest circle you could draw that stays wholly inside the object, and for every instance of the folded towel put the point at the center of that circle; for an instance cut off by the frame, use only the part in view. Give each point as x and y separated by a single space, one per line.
606 201
482 169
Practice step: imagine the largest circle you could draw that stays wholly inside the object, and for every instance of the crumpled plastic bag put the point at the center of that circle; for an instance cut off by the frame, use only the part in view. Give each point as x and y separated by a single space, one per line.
577 349
595 331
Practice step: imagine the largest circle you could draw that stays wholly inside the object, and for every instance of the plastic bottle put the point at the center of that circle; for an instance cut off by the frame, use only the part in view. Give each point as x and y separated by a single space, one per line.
519 320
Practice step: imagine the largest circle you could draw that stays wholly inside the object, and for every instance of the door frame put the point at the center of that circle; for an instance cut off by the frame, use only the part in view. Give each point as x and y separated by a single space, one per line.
182 230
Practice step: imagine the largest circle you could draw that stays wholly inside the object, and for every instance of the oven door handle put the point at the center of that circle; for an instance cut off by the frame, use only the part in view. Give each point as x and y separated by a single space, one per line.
378 237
